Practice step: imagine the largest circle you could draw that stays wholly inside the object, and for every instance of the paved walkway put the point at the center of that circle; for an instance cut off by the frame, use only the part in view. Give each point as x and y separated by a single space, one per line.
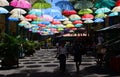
44 64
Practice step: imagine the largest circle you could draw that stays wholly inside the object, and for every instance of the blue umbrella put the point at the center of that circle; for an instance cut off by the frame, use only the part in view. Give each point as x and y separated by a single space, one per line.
60 18
13 19
114 14
97 20
37 12
3 10
64 5
78 25
102 10
44 22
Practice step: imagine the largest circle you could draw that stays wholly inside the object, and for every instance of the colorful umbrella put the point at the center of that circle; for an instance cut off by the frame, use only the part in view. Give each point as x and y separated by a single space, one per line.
3 10
74 17
69 26
46 18
60 18
102 10
20 4
67 22
77 22
13 19
98 20
116 9
4 3
68 12
83 4
88 21
22 23
17 16
31 16
104 3
37 12
101 15
56 22
85 11
87 16
113 14
18 11
118 3
78 25
41 4
64 5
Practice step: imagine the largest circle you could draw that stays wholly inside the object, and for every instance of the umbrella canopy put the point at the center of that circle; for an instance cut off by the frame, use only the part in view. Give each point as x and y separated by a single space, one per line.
78 22
116 9
113 14
102 15
118 3
68 12
20 4
69 26
104 3
18 11
56 22
98 20
74 17
64 5
4 3
46 17
41 4
83 4
31 16
88 21
102 10
3 10
78 25
67 22
87 16
37 12
22 23
17 16
85 11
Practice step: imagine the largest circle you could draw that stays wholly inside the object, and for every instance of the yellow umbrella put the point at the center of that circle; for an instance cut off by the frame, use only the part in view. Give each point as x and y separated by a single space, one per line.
69 26
67 22
101 15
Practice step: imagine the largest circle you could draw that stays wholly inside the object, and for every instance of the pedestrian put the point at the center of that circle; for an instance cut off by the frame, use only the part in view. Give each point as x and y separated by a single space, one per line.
61 56
77 52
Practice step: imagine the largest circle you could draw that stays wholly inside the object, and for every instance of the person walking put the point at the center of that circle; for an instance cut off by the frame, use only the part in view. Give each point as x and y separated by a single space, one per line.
61 56
77 52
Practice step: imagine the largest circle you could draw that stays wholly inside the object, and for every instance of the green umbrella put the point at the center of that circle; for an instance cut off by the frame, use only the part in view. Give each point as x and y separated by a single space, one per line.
41 4
83 4
101 15
104 3
85 11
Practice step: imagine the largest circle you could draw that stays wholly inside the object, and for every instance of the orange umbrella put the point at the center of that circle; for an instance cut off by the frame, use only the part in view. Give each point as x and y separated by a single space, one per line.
31 16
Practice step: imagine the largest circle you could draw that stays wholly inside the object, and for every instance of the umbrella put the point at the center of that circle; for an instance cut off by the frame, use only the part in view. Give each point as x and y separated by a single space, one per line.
85 11
68 12
31 16
88 21
102 10
41 4
87 16
60 18
35 22
118 3
22 23
113 14
83 4
20 4
13 19
4 3
44 22
67 22
78 25
3 10
56 22
74 17
77 22
69 25
37 12
17 16
104 3
116 9
18 11
64 5
101 15
97 20
46 18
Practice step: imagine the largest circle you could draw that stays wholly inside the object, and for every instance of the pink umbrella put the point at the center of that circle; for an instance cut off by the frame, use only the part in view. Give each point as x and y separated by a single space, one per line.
87 16
47 18
20 4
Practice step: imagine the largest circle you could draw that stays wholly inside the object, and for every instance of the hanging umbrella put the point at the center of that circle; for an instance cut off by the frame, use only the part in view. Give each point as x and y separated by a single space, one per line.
46 17
44 22
20 4
22 23
16 16
88 21
101 15
35 22
104 3
78 25
87 16
4 3
13 19
68 12
37 12
83 4
85 11
31 16
18 11
56 22
102 10
69 26
74 17
41 4
78 22
3 10
67 22
60 18
98 20
113 14
118 3
116 9
64 5
55 11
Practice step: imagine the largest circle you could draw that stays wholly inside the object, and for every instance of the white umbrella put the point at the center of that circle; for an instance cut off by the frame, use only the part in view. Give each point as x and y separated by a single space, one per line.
116 9
17 16
18 11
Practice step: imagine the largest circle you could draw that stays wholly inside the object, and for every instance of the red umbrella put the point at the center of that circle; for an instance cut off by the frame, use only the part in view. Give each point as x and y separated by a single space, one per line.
118 3
31 16
77 22
87 16
68 12
42 25
56 22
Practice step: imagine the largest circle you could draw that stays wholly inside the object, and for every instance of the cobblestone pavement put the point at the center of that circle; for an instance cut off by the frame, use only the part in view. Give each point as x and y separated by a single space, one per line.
44 64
